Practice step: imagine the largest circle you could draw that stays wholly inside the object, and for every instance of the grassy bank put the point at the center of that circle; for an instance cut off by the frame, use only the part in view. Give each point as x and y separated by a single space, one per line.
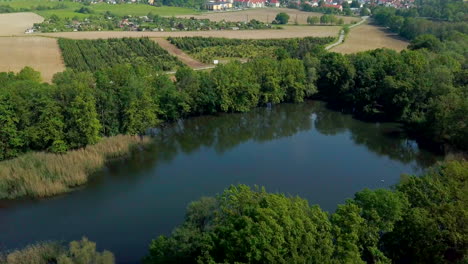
40 174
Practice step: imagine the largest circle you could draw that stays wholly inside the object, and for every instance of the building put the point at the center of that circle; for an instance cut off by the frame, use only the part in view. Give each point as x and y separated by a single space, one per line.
250 3
275 3
339 7
214 6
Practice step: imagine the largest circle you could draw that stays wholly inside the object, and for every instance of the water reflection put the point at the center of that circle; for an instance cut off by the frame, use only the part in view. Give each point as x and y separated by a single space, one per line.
227 131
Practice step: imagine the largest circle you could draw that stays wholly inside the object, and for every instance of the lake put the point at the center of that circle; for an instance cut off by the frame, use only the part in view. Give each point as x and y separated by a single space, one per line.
298 149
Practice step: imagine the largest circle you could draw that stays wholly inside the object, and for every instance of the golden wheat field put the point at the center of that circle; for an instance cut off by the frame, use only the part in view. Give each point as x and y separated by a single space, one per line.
266 15
287 32
17 23
369 37
42 54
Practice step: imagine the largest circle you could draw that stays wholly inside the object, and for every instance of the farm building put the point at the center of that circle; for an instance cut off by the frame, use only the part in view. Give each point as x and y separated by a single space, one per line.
213 6
250 3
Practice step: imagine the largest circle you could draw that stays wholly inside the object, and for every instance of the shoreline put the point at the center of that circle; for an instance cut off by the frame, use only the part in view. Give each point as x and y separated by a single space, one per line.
41 175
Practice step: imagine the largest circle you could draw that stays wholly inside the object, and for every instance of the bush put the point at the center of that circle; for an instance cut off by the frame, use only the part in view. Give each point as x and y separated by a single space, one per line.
282 18
78 252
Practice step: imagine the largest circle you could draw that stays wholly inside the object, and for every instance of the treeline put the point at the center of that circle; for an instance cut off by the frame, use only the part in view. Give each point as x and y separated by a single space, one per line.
197 4
450 10
423 89
10 9
325 19
81 107
423 220
92 55
409 25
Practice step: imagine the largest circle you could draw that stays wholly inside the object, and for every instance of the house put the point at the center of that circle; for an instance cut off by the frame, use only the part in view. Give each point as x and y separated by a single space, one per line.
213 6
313 3
339 7
274 3
250 3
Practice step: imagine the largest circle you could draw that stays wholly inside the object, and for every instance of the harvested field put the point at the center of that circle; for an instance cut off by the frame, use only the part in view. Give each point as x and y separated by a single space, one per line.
42 54
182 56
369 37
17 23
266 15
287 32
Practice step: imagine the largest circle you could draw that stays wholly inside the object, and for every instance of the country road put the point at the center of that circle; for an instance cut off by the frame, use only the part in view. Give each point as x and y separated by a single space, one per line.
342 34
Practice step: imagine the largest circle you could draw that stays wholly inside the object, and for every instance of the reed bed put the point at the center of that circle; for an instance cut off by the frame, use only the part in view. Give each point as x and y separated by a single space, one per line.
40 174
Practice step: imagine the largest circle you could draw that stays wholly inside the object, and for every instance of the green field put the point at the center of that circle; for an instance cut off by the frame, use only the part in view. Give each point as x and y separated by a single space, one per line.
119 9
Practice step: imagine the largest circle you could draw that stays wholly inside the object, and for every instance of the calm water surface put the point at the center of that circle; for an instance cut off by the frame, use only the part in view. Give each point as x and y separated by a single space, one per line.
304 149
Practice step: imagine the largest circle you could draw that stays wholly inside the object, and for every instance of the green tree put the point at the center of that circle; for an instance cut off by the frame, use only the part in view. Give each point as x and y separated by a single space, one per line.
78 105
268 77
237 87
293 79
433 229
282 18
28 73
247 226
347 223
312 20
140 110
11 138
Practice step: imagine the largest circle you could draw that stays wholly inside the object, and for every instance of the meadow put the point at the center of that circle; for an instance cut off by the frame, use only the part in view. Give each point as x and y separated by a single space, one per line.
369 37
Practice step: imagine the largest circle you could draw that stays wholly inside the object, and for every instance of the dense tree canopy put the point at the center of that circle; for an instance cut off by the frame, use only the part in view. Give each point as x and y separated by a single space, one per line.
422 221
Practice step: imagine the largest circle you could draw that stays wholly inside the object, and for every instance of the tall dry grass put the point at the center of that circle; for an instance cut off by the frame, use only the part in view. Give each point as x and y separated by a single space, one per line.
78 252
40 174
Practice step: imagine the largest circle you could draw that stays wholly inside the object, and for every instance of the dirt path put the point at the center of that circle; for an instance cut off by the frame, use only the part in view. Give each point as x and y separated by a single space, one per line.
342 34
182 56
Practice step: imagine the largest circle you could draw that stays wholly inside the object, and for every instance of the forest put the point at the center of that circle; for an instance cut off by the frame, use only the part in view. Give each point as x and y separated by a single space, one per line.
92 55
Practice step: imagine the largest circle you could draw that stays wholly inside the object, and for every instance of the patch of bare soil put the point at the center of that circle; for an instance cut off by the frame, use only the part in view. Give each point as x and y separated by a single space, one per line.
182 56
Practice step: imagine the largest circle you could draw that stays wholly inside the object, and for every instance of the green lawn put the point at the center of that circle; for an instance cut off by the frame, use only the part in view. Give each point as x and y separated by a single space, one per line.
120 9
